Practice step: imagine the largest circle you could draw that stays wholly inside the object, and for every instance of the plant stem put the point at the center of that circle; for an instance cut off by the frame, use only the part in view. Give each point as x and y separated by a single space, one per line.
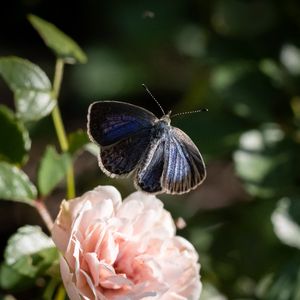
44 213
60 131
70 183
61 293
59 126
50 288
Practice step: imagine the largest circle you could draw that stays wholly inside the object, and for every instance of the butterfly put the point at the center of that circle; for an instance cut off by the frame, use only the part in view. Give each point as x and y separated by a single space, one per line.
132 140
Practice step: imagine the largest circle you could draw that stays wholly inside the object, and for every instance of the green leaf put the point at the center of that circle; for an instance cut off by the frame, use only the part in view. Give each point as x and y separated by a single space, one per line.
210 292
27 241
15 184
245 90
62 45
31 86
92 148
265 161
14 136
10 279
29 253
77 140
52 170
236 18
285 285
285 219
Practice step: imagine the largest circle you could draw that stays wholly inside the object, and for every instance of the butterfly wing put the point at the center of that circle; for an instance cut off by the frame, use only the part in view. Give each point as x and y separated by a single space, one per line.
122 131
111 121
122 157
148 176
184 167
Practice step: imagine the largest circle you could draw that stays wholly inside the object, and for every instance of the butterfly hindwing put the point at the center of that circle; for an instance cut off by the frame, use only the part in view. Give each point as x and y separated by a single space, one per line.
111 121
184 167
148 177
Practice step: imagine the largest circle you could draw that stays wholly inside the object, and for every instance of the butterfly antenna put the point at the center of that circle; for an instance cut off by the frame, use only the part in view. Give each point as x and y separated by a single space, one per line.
148 91
189 112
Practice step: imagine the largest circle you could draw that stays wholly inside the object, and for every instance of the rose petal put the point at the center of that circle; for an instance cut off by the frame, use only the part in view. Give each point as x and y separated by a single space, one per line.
67 277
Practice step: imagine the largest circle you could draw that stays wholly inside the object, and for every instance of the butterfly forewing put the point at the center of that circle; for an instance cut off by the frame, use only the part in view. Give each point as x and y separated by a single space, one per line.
184 168
111 121
122 131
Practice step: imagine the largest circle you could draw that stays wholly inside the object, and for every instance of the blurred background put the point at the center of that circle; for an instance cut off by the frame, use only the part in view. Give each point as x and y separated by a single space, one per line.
240 59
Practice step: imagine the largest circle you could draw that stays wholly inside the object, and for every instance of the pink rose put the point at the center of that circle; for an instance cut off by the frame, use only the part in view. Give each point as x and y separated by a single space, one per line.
123 250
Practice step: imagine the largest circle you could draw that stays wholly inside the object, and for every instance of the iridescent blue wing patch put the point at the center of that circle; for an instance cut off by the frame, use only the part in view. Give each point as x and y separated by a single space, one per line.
149 174
111 121
184 167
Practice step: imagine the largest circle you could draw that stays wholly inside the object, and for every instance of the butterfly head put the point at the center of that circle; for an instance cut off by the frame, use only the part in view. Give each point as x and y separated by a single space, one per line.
166 118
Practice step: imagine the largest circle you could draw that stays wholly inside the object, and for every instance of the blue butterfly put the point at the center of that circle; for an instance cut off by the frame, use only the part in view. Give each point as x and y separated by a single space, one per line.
132 140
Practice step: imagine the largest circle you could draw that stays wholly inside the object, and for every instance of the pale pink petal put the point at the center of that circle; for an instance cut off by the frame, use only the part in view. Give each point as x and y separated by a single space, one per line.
116 282
93 237
180 223
67 277
60 237
62 227
99 211
97 269
109 192
130 209
90 284
109 249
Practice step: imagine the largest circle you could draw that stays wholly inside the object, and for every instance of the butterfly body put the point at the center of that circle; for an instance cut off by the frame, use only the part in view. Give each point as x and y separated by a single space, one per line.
132 140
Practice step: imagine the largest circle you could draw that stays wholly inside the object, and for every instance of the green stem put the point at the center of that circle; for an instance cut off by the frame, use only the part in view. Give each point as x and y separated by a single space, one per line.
70 183
50 289
58 123
60 131
59 126
61 293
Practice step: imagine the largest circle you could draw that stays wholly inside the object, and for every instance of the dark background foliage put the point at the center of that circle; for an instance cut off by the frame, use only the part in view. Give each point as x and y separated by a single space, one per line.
238 58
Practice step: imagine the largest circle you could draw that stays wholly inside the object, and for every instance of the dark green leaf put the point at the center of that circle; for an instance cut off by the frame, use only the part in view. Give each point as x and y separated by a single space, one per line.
14 136
62 45
27 241
77 140
29 253
51 288
264 161
7 297
34 264
235 18
285 285
285 220
31 86
10 279
15 185
245 90
52 170
210 292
